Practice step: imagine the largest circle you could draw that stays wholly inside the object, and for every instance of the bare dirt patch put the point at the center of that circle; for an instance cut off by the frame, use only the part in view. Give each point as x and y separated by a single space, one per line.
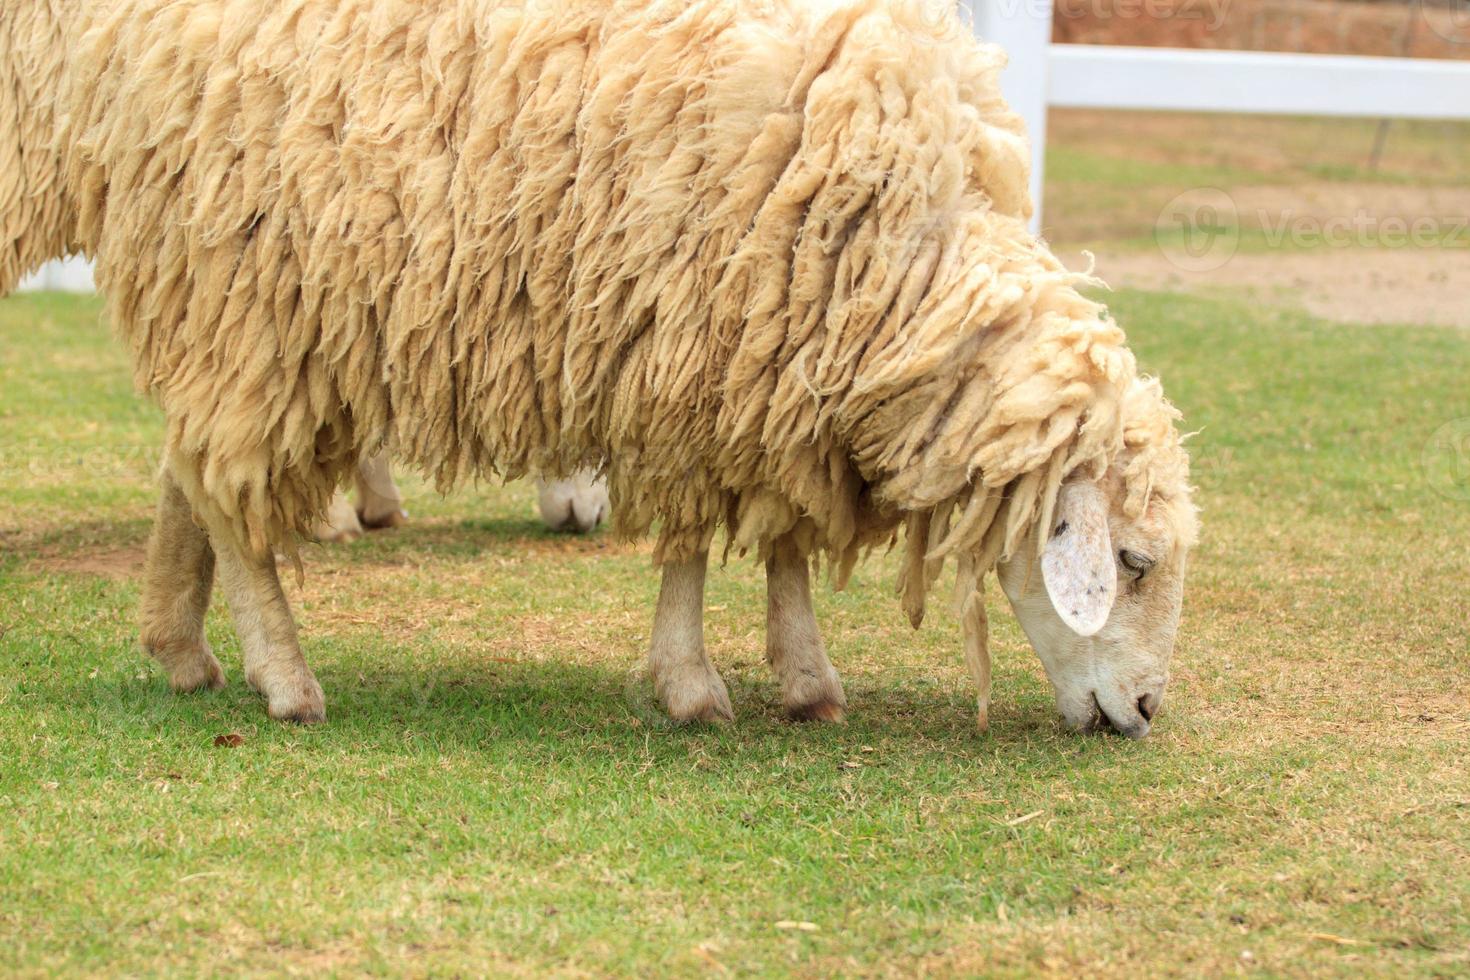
1327 252
1373 206
1371 286
110 563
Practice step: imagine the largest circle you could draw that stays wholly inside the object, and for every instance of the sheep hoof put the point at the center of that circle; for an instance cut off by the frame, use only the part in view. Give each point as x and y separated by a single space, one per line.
813 693
298 699
327 534
306 706
200 672
824 711
698 699
383 522
340 525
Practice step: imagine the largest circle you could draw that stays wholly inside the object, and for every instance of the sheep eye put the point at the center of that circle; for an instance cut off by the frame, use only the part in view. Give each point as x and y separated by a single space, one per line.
1135 563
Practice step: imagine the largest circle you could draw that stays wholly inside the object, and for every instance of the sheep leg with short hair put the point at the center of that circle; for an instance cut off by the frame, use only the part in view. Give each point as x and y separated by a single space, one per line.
810 687
177 580
683 677
379 504
340 524
274 665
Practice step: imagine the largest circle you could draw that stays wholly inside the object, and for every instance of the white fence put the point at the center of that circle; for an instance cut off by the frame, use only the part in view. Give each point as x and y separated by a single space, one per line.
67 276
1042 74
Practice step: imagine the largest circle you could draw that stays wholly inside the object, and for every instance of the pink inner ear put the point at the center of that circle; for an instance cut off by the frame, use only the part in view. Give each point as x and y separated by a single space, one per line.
1077 563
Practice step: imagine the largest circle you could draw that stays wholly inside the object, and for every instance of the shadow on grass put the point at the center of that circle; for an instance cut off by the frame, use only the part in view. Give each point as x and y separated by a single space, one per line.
473 703
579 709
41 541
114 549
452 538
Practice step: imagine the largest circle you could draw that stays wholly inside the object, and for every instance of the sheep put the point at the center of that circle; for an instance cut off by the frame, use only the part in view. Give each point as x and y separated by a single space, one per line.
764 263
576 505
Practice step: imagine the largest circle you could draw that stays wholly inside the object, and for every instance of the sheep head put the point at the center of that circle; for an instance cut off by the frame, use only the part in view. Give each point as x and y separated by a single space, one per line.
1100 599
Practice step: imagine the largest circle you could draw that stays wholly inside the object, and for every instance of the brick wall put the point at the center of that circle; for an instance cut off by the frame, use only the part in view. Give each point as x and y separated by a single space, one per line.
1434 29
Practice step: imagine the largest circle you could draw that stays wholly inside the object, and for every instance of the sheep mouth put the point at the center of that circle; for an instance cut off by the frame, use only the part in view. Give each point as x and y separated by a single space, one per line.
1103 723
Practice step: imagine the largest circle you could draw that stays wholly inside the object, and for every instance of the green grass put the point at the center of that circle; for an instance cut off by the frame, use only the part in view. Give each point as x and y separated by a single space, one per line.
495 793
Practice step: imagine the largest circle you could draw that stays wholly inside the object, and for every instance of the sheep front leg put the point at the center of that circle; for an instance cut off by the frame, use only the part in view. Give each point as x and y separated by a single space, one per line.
177 581
810 687
683 677
273 662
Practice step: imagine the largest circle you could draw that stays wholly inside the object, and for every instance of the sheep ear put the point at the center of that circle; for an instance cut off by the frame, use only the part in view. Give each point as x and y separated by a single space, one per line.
1077 563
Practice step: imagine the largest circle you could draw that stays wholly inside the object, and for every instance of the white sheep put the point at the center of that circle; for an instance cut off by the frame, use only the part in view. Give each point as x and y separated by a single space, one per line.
764 262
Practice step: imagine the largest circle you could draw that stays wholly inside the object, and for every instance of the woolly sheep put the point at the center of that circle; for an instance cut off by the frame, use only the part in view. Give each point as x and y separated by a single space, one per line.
763 262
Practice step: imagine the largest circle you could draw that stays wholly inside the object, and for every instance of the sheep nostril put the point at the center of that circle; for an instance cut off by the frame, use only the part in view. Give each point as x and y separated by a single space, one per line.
1146 708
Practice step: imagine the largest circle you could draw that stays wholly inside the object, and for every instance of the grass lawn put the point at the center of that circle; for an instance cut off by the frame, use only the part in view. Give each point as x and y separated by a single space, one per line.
495 792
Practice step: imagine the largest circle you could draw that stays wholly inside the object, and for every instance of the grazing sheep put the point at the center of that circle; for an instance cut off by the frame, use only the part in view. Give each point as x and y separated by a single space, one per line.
764 262
577 504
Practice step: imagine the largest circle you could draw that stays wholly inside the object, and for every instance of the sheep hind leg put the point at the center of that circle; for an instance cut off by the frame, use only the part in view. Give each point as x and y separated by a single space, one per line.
810 687
177 581
683 677
274 665
341 523
379 503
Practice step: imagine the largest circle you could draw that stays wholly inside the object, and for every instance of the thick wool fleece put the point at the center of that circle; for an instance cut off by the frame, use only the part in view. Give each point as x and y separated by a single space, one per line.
35 217
764 260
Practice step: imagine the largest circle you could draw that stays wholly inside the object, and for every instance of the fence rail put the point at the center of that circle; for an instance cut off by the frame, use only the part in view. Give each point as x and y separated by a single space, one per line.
1094 77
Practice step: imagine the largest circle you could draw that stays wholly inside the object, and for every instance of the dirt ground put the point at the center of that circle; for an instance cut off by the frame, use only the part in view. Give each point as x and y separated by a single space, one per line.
1374 286
1342 253
1296 210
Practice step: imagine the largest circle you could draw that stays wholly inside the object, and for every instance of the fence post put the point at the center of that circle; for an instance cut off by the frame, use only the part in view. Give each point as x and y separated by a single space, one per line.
1023 29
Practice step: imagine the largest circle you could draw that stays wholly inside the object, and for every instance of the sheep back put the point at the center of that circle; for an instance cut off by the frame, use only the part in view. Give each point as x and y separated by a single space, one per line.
765 261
